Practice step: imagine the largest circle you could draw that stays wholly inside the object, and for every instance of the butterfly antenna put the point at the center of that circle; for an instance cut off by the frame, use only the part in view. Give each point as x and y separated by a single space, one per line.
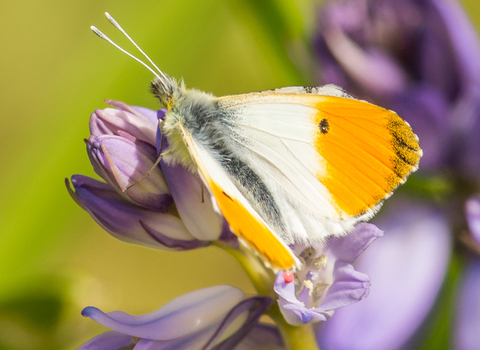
116 25
106 38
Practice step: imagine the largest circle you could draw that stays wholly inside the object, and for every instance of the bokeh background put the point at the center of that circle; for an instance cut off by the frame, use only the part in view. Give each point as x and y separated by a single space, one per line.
54 260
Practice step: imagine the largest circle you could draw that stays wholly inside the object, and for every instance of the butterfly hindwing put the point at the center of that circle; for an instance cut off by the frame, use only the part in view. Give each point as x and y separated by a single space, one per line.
244 221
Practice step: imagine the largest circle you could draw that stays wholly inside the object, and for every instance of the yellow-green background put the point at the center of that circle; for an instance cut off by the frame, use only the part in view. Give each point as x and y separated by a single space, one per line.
54 260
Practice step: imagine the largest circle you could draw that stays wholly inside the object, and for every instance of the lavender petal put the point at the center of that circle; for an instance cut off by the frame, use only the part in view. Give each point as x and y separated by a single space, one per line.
255 307
349 287
125 165
348 248
121 218
107 341
173 243
262 336
193 202
184 315
139 122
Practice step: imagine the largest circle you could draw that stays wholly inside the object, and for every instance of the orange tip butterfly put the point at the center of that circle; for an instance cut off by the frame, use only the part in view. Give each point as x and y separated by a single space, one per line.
284 166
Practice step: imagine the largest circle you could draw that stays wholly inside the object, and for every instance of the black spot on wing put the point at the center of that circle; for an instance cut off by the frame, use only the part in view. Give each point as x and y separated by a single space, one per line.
324 126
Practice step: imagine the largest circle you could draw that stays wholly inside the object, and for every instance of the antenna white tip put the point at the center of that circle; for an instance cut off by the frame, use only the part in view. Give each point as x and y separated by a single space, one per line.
97 31
109 17
163 78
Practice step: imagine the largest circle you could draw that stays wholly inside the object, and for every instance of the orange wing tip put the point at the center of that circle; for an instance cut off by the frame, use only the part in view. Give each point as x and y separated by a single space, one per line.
361 173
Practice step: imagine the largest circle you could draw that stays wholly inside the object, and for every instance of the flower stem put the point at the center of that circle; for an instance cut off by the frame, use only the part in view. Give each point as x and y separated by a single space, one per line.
294 337
261 277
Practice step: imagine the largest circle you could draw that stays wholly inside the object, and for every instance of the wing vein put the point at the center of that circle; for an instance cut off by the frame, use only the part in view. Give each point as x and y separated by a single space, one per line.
351 120
270 133
363 149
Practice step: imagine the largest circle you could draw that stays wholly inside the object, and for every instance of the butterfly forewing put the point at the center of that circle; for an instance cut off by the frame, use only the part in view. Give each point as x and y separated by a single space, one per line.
330 159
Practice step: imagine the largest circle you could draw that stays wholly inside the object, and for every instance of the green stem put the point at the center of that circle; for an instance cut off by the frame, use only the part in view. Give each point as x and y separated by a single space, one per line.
294 337
261 277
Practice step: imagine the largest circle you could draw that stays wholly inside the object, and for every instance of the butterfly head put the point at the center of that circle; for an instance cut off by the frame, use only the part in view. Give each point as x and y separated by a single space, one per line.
167 90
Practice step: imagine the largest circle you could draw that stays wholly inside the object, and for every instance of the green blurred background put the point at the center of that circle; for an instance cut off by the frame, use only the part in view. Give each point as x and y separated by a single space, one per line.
54 260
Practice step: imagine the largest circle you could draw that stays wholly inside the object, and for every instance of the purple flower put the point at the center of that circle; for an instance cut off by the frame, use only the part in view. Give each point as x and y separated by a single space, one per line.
217 318
158 206
407 267
327 280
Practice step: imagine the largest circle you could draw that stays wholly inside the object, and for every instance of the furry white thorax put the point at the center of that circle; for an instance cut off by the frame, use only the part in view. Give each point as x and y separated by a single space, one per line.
183 106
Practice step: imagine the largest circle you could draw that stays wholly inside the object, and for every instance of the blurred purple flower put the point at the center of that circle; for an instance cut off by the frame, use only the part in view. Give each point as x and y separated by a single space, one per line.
472 211
468 308
219 318
467 336
420 58
327 280
407 268
157 206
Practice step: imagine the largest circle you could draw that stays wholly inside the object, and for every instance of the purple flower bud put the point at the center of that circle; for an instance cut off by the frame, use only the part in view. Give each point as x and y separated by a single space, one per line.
140 123
217 317
128 165
383 46
327 280
122 151
129 222
137 204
